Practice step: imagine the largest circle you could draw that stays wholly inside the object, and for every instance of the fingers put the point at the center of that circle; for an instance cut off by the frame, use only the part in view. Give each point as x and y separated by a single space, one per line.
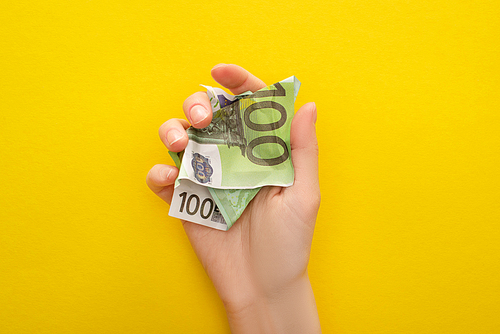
197 107
236 78
304 146
173 134
198 110
160 180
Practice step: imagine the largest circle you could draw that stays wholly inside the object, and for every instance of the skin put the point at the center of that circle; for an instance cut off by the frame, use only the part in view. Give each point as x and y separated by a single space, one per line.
259 266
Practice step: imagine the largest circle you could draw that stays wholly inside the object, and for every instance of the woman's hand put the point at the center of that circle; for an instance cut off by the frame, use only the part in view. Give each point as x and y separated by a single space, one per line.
259 266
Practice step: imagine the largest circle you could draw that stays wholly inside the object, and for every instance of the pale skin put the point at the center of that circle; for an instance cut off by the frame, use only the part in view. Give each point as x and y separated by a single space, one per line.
259 266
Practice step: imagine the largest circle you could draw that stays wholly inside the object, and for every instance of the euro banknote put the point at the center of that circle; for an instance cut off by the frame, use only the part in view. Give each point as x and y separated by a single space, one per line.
245 147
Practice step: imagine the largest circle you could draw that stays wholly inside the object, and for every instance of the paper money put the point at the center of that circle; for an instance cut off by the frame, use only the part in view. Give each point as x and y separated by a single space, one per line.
194 203
245 147
232 202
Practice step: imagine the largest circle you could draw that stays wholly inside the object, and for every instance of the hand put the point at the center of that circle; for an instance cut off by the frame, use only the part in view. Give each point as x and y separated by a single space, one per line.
258 266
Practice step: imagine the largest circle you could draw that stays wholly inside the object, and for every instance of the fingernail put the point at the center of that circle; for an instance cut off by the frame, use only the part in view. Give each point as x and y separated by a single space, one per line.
198 114
315 113
173 136
166 173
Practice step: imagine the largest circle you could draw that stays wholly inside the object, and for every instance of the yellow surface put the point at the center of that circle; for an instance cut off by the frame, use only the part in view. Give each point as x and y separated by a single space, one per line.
408 92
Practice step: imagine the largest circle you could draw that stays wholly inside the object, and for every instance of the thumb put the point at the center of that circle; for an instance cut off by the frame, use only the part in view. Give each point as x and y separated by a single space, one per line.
304 145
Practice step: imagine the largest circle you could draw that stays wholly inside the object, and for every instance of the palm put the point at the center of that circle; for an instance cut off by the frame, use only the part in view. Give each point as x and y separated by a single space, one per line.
269 239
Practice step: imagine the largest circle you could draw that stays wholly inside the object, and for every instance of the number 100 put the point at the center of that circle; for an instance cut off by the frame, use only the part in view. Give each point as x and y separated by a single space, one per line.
192 205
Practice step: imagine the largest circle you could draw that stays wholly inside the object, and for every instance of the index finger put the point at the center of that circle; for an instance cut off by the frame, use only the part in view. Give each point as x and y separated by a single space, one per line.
236 78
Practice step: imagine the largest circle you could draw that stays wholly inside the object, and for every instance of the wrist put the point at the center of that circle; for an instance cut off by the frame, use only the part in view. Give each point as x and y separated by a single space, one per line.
292 309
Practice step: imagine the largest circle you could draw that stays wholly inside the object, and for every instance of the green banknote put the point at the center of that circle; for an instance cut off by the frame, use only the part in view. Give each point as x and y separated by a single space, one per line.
232 202
245 147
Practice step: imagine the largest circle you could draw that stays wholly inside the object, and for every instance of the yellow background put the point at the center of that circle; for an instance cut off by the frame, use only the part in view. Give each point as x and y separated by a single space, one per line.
408 236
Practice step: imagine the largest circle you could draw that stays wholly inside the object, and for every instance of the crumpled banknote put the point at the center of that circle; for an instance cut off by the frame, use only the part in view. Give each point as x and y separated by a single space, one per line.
245 147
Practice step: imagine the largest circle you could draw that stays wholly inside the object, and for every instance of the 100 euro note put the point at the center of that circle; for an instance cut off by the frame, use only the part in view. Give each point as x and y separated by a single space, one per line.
245 147
216 208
